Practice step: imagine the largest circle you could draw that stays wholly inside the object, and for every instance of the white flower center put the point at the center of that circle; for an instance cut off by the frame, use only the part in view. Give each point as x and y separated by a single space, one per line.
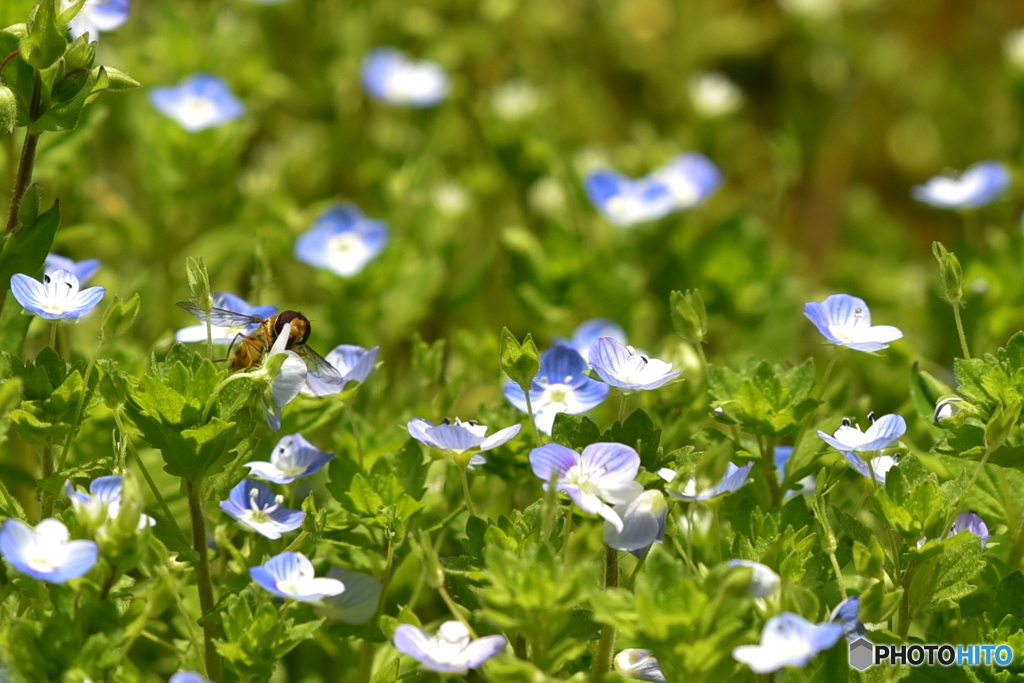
259 514
46 556
197 109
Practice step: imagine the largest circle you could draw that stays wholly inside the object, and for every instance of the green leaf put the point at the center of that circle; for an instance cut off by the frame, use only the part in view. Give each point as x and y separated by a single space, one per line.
387 674
25 251
574 431
411 468
361 498
45 42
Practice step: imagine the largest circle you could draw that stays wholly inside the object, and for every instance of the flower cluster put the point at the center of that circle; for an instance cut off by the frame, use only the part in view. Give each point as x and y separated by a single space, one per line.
681 184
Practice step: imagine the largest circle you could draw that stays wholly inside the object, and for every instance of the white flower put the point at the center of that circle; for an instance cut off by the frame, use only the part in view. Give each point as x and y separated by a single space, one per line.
451 650
291 575
713 95
846 321
57 297
283 374
1013 47
514 100
643 523
390 76
45 552
735 477
979 185
292 458
459 437
639 665
763 581
787 640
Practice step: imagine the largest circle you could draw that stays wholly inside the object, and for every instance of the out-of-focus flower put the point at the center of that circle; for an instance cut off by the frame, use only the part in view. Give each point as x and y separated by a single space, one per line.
847 614
102 503
253 504
625 369
292 458
199 102
713 94
451 199
98 16
353 363
805 486
979 185
450 651
643 523
787 640
291 575
390 76
460 437
57 297
188 677
735 477
639 665
846 321
625 201
223 334
970 522
584 336
1013 48
514 100
559 387
45 552
358 604
811 9
83 270
690 177
604 473
763 581
342 240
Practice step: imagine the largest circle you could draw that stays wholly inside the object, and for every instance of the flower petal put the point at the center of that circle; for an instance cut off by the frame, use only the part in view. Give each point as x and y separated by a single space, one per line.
551 458
500 437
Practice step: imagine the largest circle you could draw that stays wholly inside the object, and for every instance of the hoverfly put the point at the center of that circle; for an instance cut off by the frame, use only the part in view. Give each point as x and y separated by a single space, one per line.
260 339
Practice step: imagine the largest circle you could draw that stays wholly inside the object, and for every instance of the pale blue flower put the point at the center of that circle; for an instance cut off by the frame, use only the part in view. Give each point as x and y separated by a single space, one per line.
459 437
622 367
450 651
880 434
342 240
291 575
979 185
640 665
199 102
45 552
559 387
57 297
846 321
643 523
604 473
83 270
282 373
763 580
292 458
253 504
691 178
188 677
847 614
584 336
735 477
390 76
226 334
970 522
627 202
353 363
99 16
103 502
805 486
788 640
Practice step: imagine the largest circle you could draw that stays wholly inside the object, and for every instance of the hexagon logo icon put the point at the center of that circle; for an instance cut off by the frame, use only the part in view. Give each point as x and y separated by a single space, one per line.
862 654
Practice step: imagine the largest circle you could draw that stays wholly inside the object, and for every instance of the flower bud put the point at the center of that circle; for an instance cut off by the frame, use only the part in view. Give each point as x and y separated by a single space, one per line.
689 317
951 273
521 362
951 412
8 110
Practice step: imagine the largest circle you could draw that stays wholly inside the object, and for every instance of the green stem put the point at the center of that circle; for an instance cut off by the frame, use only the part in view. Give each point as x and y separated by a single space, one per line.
188 625
567 534
606 647
48 471
533 421
828 373
203 582
216 392
79 408
636 571
297 543
767 447
622 407
13 507
967 489
453 607
465 491
53 335
1013 560
960 331
149 480
356 437
28 156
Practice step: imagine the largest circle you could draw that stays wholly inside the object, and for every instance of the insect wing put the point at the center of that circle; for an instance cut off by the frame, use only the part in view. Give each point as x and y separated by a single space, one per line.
323 378
222 317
